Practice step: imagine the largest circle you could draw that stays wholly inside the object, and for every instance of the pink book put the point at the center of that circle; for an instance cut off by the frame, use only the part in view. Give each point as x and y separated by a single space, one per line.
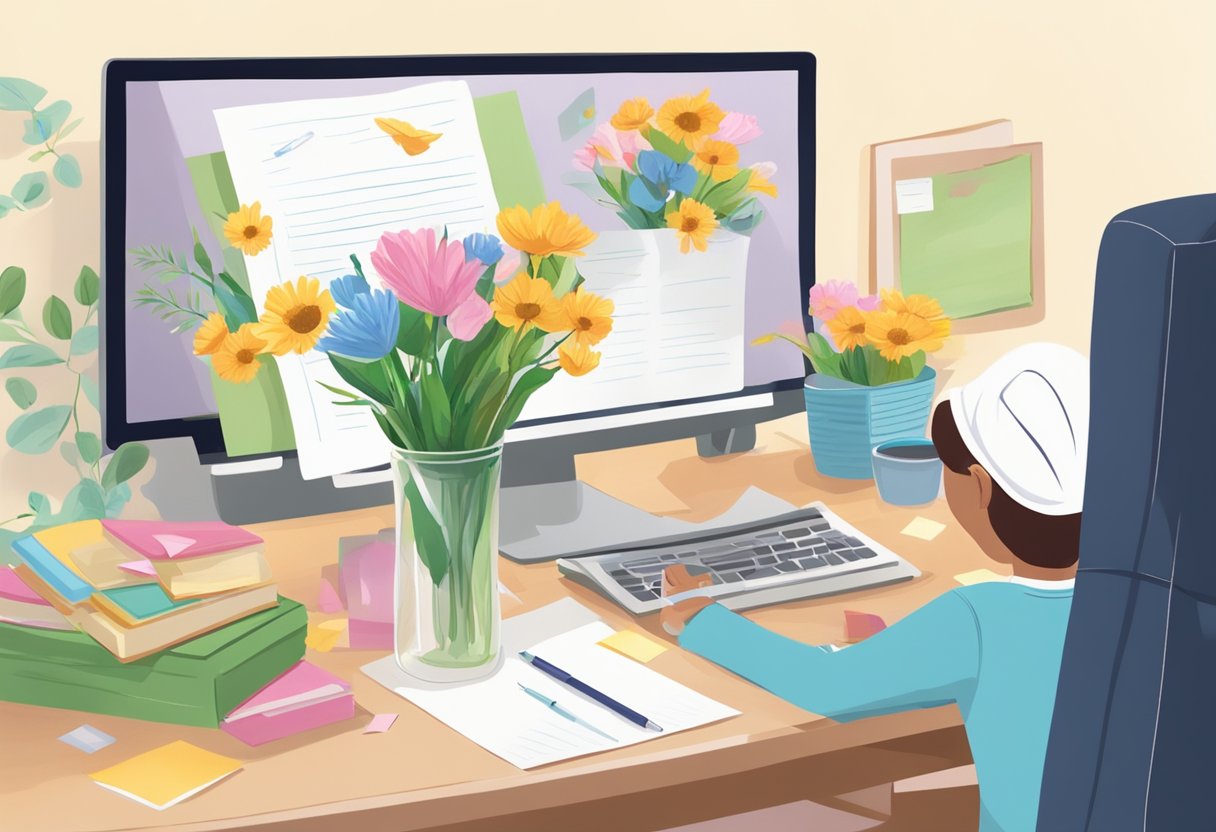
21 605
160 540
12 588
303 698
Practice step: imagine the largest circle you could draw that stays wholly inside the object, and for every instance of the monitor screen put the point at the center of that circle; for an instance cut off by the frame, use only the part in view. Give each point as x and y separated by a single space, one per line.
313 152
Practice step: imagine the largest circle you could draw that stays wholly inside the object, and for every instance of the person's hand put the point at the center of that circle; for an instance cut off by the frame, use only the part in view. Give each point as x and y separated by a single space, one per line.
677 579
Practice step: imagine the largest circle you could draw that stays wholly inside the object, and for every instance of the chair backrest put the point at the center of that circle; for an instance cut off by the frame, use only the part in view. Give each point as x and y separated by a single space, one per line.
1133 738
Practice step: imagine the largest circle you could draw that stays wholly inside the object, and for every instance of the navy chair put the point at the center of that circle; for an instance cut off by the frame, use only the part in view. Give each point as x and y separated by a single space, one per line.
1133 739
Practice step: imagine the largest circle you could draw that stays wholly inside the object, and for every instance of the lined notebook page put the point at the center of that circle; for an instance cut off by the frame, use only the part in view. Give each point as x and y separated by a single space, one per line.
334 182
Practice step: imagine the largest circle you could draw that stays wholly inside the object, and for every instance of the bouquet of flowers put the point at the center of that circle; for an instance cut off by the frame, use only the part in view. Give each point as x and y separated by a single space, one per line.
870 340
679 168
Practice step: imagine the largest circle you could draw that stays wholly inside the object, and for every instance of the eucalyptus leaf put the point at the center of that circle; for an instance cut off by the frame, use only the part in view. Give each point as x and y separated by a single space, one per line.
126 462
117 499
201 257
67 171
89 386
72 125
85 340
28 355
234 303
8 332
39 503
38 154
33 189
57 318
12 289
70 454
88 286
46 122
86 501
37 431
89 445
19 94
22 392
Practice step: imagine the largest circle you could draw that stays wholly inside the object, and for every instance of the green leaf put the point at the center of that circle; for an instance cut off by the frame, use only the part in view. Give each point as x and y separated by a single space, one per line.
201 257
85 340
39 503
45 122
368 377
235 304
66 131
663 143
28 355
89 445
436 410
126 462
38 154
37 431
19 94
528 383
428 532
22 392
411 334
8 332
12 289
117 499
70 454
745 218
724 192
57 318
86 501
88 286
89 386
33 189
878 369
67 171
916 363
824 359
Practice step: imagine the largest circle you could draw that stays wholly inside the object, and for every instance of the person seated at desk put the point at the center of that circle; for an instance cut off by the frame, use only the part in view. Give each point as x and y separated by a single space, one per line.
1013 445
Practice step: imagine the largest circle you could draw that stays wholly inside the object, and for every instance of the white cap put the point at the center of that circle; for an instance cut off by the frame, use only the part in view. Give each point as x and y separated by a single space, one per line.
1026 420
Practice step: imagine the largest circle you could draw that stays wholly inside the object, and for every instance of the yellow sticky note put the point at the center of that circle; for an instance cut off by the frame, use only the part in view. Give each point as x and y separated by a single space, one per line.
324 637
167 775
635 646
978 576
923 528
62 541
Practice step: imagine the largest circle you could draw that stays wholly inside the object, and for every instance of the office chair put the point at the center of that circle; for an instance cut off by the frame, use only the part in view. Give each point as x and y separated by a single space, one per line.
1133 738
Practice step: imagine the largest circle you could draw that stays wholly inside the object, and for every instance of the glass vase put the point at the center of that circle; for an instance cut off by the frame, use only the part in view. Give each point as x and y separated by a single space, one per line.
447 619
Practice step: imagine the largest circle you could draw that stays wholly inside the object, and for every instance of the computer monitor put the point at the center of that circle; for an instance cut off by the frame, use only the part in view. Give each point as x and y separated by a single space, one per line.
680 362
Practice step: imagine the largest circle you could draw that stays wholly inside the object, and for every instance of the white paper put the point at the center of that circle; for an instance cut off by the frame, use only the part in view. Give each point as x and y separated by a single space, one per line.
914 196
498 716
677 327
334 182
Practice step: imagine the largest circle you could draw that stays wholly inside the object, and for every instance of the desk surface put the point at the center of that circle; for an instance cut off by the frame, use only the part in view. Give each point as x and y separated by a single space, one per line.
422 774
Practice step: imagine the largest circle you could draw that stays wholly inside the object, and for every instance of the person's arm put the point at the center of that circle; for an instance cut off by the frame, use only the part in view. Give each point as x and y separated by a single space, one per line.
929 658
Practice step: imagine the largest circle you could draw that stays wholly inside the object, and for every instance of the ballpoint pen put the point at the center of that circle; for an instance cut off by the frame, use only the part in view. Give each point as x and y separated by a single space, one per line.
586 689
560 711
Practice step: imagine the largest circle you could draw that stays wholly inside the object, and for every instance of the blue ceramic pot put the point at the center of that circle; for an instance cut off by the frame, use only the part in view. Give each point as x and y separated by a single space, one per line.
846 420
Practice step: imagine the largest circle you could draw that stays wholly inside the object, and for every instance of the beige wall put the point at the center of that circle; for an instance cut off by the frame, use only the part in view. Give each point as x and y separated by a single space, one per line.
1119 93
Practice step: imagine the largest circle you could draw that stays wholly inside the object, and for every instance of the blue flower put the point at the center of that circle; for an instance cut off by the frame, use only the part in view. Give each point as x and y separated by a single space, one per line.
484 247
659 174
367 329
345 288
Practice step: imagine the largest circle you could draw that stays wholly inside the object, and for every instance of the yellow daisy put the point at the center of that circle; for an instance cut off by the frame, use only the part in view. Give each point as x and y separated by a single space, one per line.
577 359
526 302
761 179
247 230
633 114
590 316
211 334
688 118
237 360
901 334
545 230
848 328
296 316
718 159
408 137
922 306
693 223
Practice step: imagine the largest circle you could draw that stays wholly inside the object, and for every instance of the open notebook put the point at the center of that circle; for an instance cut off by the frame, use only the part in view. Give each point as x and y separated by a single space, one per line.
497 715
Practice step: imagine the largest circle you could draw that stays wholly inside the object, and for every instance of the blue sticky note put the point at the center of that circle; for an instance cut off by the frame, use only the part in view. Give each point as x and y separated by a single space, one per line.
87 738
578 116
46 566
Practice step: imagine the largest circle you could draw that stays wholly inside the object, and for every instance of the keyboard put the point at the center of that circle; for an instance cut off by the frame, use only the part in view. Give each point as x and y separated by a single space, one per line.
802 554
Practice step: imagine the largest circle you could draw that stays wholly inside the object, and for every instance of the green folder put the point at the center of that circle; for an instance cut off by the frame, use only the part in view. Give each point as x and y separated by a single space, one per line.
198 682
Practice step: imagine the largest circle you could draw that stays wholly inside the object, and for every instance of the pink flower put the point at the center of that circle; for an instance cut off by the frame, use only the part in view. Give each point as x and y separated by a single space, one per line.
611 147
431 276
467 319
737 128
827 299
869 303
507 265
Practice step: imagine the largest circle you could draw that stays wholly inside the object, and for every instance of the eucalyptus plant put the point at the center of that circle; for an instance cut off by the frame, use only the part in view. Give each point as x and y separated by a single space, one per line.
43 130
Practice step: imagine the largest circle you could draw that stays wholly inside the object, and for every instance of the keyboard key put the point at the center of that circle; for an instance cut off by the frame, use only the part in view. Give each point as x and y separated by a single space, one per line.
784 547
836 545
832 559
769 536
854 542
669 556
733 566
634 564
762 572
731 577
717 550
808 542
821 526
812 563
619 573
644 594
762 550
766 560
820 549
847 554
865 552
788 566
813 512
791 534
648 569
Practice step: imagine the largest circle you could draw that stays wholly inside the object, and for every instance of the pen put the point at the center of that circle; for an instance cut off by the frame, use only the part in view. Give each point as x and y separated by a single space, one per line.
560 711
584 688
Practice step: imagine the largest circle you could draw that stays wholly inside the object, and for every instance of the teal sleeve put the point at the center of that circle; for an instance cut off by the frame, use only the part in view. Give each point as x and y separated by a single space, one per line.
929 658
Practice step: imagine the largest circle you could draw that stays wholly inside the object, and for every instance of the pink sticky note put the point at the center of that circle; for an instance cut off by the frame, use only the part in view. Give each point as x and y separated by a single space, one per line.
861 625
327 597
380 723
174 544
139 567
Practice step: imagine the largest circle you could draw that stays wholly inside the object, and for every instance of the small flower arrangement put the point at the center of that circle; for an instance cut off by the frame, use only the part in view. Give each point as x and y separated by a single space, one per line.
870 340
679 168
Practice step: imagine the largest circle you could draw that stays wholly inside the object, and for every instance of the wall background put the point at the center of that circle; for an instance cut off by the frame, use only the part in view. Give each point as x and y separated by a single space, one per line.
1119 93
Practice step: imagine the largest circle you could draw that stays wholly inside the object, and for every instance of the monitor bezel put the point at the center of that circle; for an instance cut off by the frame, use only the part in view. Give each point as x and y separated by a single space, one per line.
205 430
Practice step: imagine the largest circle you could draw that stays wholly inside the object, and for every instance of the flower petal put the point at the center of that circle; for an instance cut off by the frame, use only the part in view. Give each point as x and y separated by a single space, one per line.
467 319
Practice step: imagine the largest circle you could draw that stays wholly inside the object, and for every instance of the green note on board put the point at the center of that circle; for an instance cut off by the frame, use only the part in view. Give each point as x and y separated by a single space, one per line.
973 249
513 169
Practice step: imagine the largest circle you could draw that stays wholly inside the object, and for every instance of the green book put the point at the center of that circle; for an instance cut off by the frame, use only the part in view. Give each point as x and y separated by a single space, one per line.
198 682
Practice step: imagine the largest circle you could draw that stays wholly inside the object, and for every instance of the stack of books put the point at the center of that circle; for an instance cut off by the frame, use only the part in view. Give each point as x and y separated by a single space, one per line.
171 622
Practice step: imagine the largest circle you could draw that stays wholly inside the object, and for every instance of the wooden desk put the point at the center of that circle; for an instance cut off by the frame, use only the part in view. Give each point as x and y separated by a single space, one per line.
423 775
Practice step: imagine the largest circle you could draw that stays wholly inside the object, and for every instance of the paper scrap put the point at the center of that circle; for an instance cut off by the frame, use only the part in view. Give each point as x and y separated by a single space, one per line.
87 738
165 776
380 723
327 597
979 576
139 567
914 196
633 645
578 116
923 528
174 544
862 625
324 637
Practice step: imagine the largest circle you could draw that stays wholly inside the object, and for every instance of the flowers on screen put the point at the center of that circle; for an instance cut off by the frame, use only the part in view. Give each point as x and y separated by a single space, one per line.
693 222
296 315
247 230
409 138
544 231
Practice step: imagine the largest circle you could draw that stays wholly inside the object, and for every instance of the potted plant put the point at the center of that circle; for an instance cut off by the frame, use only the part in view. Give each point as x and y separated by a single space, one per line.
870 382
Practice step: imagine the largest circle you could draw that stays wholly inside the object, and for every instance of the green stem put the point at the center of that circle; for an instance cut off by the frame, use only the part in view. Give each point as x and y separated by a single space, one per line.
15 519
553 348
95 468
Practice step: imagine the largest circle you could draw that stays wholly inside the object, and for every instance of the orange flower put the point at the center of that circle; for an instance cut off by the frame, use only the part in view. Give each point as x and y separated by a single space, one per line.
848 328
634 114
718 159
